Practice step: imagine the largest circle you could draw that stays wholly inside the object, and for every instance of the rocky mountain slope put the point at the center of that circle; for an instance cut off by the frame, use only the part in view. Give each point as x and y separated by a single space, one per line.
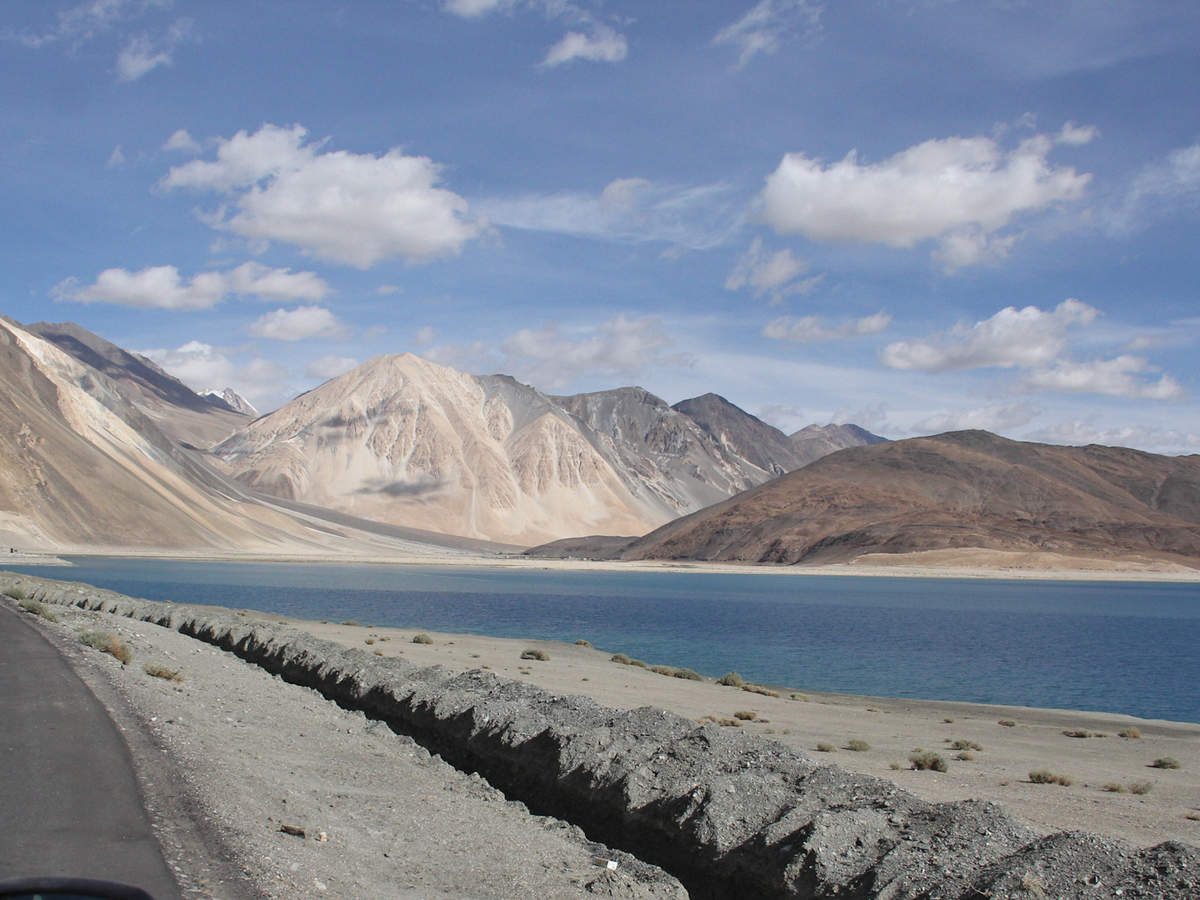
814 441
230 399
406 441
83 467
175 408
966 489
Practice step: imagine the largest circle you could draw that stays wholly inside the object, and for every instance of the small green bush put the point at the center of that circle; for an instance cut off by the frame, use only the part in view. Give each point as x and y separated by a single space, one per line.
857 746
687 675
107 643
422 638
731 679
1165 762
1045 776
38 609
15 592
532 653
926 760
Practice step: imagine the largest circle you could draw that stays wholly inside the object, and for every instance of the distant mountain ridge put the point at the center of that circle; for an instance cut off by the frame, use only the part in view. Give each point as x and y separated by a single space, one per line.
231 400
969 489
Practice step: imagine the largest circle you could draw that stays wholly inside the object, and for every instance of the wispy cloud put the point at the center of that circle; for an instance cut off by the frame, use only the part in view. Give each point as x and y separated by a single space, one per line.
768 25
807 329
589 38
774 274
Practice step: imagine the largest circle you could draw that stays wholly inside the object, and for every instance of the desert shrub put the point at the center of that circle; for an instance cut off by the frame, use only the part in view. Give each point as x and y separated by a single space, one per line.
1045 776
369 641
582 643
662 670
1140 787
531 653
15 592
38 609
825 748
965 745
422 638
107 643
1007 723
1113 788
731 679
640 663
687 675
1165 762
1083 733
857 746
746 715
948 720
801 697
723 722
347 622
1130 732
926 760
964 755
158 670
620 658
759 689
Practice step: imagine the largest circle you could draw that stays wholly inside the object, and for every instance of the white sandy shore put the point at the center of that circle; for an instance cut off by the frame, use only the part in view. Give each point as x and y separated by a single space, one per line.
967 563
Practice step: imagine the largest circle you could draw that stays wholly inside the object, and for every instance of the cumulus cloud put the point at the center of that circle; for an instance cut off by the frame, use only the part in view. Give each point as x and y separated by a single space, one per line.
298 324
1000 417
1123 376
1012 337
1078 432
162 287
768 25
357 209
806 329
602 45
770 273
200 366
958 191
327 367
631 210
181 141
552 357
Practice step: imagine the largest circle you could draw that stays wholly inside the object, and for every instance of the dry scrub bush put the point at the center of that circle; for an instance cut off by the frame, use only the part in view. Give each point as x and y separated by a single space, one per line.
746 715
531 653
1165 762
926 760
965 745
1083 733
422 638
38 609
964 755
1045 776
731 679
1007 723
1140 787
158 670
1130 732
1113 788
687 674
857 746
825 748
759 689
620 658
107 643
15 592
582 643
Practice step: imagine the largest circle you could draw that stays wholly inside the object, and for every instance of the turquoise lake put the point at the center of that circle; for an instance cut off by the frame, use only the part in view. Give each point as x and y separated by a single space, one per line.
1109 646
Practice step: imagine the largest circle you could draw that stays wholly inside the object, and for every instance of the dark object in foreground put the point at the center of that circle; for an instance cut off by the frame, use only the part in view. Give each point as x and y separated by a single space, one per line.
69 889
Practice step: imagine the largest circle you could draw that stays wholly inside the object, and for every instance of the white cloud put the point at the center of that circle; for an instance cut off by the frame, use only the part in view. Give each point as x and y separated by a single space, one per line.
1077 432
162 287
116 159
1118 377
276 284
182 141
78 24
351 208
298 324
630 210
330 367
143 54
1012 337
602 45
156 287
1157 188
552 357
768 25
773 273
806 329
470 9
961 191
425 336
197 364
990 418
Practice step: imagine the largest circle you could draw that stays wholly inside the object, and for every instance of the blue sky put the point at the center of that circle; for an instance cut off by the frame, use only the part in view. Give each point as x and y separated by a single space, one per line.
916 215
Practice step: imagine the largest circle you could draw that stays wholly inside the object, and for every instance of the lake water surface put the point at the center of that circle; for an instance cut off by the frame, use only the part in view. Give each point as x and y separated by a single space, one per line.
1109 646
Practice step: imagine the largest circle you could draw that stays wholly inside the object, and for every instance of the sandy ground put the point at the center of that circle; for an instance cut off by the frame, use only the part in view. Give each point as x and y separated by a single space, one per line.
893 729
380 816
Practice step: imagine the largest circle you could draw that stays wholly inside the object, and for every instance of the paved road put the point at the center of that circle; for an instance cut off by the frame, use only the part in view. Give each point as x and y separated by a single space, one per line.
69 800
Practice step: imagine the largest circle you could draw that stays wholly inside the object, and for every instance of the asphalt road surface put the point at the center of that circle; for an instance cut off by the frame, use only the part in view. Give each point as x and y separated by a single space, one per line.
69 799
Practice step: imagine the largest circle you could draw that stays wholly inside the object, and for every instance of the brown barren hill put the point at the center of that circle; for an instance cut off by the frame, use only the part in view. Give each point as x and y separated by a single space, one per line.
967 489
